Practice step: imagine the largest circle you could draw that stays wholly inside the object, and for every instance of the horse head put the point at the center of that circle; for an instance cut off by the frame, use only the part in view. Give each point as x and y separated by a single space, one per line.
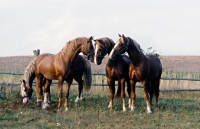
100 51
120 47
26 92
88 49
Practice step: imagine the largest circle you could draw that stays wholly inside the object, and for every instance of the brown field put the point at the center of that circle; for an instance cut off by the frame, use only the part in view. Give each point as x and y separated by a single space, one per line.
170 63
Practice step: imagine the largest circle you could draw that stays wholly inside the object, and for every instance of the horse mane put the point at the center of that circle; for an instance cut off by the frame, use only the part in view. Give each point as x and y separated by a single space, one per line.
71 45
29 73
137 46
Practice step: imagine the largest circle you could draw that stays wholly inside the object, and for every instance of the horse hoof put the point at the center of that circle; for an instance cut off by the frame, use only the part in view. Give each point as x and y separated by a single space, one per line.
83 99
59 111
124 110
149 112
39 103
45 105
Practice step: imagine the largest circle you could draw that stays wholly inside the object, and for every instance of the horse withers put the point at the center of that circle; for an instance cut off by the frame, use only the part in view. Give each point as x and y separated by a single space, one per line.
146 69
116 70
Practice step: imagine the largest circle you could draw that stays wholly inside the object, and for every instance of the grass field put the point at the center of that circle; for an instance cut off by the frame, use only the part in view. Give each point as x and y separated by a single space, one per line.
178 110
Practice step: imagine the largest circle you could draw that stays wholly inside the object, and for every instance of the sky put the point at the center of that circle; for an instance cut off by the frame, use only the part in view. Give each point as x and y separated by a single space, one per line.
170 27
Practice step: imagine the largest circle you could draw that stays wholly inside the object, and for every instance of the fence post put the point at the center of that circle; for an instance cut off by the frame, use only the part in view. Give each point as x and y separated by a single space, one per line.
36 52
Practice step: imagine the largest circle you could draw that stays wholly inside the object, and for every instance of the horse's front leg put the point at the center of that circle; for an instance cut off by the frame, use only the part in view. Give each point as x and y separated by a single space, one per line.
60 88
111 84
46 93
146 95
132 95
122 83
39 90
68 84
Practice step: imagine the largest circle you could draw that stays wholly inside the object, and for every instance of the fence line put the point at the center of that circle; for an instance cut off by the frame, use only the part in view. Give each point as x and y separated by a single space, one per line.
103 74
138 85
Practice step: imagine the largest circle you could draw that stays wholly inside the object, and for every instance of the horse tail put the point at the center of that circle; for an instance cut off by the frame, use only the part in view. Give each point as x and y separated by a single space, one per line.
87 76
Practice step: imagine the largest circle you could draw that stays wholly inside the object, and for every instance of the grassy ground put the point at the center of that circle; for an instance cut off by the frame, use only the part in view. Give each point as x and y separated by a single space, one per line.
177 110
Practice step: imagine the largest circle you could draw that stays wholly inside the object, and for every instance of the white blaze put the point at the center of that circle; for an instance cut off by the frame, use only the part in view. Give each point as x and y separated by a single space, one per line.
95 57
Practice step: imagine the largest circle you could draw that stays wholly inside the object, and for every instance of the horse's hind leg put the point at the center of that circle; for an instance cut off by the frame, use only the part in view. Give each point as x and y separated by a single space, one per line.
157 92
80 90
122 82
68 84
111 84
118 90
46 93
129 93
146 84
151 92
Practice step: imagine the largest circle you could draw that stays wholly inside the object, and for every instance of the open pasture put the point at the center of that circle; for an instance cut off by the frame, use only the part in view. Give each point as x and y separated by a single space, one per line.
177 110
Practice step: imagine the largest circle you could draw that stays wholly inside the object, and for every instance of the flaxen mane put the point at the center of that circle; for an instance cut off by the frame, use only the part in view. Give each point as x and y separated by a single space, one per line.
29 74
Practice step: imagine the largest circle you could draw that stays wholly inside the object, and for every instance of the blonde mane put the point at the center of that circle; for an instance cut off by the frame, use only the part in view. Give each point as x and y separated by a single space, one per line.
29 73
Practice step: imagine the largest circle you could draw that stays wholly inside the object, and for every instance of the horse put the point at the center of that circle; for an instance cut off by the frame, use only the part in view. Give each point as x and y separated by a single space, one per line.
146 69
82 75
60 67
116 70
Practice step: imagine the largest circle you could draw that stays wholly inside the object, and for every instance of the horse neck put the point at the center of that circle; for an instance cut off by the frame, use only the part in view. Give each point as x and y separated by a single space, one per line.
136 56
72 49
109 44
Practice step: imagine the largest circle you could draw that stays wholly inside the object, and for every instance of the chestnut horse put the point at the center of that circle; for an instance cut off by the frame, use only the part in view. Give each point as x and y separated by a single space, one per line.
60 67
116 70
146 69
82 75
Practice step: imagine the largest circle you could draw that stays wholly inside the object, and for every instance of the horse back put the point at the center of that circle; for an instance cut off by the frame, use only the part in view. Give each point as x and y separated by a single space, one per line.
155 67
50 66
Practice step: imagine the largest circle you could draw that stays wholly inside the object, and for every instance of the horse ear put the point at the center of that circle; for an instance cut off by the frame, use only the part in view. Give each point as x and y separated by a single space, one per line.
123 36
95 40
91 38
20 80
119 35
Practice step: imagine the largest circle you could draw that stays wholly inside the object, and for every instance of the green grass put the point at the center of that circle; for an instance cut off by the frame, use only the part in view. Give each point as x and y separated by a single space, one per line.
177 110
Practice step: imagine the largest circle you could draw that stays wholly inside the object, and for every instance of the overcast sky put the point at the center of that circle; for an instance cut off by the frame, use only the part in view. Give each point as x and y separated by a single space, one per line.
171 27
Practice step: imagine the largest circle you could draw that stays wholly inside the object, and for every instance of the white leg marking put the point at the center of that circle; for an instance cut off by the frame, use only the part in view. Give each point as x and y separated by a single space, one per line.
77 99
95 57
129 103
149 110
45 103
39 100
148 107
132 108
109 106
45 97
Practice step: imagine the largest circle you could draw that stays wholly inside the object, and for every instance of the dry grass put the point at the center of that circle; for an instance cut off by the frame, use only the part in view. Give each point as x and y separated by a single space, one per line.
177 110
